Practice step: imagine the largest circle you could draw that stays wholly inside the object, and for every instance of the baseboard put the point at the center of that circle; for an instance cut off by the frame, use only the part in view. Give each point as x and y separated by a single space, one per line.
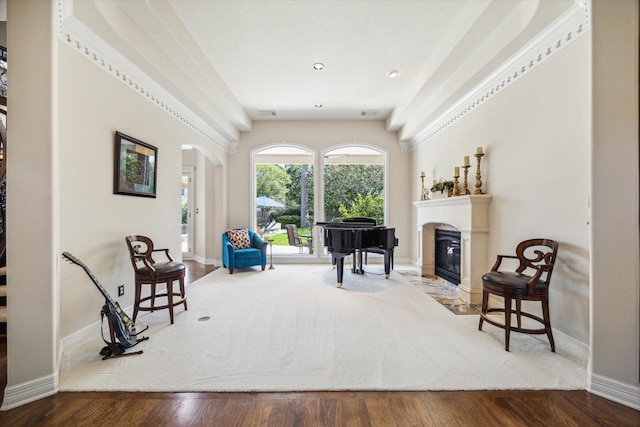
616 391
206 261
90 331
30 391
48 385
568 344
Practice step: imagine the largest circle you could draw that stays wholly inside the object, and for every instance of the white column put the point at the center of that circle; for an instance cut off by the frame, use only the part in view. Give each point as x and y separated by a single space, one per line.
32 203
615 273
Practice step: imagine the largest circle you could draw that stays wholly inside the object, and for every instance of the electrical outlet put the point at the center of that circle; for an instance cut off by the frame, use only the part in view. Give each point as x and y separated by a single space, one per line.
120 290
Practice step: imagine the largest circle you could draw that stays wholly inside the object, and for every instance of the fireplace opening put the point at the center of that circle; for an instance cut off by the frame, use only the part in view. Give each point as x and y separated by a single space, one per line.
447 255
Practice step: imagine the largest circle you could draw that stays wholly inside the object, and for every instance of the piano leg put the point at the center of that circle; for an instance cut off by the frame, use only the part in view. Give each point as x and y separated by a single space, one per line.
387 263
357 267
339 267
354 267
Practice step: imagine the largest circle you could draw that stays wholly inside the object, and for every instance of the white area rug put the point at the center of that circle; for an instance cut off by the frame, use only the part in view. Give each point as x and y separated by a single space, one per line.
291 329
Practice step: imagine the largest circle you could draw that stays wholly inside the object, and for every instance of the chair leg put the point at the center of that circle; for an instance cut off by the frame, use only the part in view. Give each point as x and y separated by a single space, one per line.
485 304
136 303
183 292
507 322
547 324
518 307
170 298
153 296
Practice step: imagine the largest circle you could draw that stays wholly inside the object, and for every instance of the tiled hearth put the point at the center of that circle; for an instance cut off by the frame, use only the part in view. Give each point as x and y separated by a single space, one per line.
442 291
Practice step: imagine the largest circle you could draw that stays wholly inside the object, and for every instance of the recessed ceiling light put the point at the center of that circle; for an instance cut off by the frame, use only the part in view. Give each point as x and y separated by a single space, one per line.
393 74
318 105
318 66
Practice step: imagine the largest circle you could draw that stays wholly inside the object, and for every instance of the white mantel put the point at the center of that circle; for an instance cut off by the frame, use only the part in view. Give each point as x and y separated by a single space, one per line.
468 214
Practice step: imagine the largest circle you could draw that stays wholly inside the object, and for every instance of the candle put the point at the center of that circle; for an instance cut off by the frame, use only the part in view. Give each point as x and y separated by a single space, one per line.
479 150
456 171
435 182
422 175
466 160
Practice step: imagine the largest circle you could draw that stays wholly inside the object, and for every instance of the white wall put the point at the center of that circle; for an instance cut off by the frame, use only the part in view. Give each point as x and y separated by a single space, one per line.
536 139
94 221
319 135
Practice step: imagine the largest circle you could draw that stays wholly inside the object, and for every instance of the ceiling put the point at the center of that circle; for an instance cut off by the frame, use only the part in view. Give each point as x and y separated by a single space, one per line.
225 64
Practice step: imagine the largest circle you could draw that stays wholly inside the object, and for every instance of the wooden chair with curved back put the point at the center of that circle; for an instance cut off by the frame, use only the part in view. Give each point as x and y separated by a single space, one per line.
536 256
149 272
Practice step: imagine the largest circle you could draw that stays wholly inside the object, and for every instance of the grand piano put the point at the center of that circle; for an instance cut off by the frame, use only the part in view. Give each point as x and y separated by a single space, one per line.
355 236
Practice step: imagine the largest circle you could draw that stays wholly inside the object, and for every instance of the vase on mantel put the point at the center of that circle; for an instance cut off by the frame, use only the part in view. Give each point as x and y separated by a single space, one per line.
441 195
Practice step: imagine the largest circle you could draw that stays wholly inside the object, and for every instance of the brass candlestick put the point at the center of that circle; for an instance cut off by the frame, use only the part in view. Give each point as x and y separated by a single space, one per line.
424 195
478 176
465 187
455 185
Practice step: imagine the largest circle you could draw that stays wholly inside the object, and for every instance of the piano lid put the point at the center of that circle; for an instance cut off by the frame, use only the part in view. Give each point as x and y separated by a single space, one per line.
358 225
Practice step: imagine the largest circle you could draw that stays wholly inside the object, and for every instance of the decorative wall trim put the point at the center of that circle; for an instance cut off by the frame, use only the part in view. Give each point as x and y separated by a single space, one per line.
622 393
405 147
568 28
80 38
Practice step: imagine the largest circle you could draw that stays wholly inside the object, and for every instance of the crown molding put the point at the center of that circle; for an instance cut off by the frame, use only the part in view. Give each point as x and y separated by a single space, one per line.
77 35
405 147
566 29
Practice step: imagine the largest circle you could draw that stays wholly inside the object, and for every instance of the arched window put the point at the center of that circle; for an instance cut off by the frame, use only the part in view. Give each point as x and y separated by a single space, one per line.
284 195
354 182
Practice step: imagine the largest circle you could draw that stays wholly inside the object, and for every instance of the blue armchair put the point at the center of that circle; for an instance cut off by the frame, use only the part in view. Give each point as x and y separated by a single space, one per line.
243 248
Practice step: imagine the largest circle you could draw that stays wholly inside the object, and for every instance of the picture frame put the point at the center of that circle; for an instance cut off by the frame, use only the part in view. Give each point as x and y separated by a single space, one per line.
135 167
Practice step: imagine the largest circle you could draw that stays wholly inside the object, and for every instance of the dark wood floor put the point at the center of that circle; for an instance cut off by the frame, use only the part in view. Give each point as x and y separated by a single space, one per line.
454 408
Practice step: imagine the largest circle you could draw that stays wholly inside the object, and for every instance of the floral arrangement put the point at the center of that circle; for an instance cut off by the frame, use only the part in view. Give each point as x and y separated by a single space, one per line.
442 186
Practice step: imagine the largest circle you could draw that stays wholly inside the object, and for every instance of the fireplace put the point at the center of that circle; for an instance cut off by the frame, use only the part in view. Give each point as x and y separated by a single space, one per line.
447 255
468 215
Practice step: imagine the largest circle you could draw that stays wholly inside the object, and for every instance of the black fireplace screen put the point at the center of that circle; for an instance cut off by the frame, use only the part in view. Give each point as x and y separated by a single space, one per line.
447 260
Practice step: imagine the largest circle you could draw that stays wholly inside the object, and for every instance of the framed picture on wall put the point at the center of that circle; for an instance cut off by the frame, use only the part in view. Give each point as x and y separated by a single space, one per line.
135 167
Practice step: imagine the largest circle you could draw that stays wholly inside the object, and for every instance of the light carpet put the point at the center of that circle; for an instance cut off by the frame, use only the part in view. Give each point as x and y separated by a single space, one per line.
292 329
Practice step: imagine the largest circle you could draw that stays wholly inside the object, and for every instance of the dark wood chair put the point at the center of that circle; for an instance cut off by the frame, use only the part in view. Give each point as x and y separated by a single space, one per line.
150 272
535 256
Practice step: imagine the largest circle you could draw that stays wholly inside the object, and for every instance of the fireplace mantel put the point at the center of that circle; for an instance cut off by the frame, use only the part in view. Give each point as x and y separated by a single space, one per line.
470 215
